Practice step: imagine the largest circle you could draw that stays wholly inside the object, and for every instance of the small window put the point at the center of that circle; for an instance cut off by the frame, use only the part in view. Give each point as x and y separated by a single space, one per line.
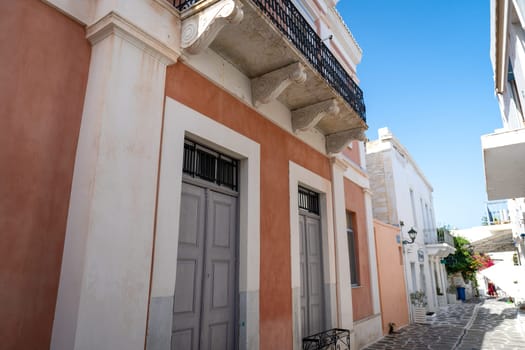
308 200
201 162
413 205
352 248
514 88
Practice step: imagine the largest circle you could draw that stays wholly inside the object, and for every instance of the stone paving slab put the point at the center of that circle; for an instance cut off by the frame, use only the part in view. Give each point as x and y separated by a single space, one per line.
477 325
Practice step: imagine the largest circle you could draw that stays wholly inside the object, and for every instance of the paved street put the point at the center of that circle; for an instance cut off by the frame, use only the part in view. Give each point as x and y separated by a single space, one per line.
478 325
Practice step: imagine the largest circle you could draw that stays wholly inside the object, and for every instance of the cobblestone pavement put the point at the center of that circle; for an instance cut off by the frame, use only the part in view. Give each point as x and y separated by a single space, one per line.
477 325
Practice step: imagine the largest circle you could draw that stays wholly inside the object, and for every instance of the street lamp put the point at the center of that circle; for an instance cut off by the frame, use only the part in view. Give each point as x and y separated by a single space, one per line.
412 234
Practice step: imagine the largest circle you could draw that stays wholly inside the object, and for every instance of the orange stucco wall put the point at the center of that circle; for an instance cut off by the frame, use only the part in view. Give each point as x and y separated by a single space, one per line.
391 276
277 148
353 152
44 60
361 296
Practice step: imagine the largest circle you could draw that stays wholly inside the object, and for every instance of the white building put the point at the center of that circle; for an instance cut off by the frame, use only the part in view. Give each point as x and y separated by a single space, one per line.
477 233
403 196
496 241
503 150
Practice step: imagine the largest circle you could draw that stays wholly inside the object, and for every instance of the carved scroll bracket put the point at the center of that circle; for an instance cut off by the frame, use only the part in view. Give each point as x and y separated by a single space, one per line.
306 118
336 142
270 85
199 30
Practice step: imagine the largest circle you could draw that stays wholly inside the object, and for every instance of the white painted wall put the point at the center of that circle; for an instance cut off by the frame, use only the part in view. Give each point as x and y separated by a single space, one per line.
511 117
480 232
406 177
514 47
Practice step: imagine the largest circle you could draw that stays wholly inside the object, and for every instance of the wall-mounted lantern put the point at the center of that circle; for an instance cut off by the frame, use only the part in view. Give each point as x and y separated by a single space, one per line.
412 234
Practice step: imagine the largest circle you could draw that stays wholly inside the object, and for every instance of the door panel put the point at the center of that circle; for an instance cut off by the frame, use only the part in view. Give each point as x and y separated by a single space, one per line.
304 278
312 281
187 299
185 296
218 314
315 275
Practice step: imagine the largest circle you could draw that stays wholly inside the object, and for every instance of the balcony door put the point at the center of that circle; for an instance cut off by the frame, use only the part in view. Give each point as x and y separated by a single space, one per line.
312 279
205 298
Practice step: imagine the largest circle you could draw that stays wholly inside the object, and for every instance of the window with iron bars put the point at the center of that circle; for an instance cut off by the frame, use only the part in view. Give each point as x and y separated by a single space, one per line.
202 162
308 200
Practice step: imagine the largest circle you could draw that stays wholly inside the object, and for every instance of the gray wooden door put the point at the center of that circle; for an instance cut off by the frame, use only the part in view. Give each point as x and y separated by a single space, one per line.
205 288
312 281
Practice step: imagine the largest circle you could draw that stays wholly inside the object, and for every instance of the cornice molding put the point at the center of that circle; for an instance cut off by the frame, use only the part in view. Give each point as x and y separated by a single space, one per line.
352 172
340 162
115 24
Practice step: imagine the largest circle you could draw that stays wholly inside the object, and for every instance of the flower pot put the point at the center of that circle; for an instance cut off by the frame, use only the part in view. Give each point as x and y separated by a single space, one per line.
451 298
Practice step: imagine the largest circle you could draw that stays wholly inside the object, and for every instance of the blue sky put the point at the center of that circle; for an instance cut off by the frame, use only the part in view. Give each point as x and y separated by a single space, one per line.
426 74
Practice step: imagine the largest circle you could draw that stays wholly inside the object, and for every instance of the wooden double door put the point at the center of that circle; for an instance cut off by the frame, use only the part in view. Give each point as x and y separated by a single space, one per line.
205 300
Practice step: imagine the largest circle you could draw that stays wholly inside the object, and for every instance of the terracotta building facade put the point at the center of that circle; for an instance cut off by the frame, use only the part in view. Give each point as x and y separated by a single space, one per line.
184 175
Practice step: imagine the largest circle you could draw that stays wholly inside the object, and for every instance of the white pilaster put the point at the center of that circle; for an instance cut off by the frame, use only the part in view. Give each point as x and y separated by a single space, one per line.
344 285
443 276
102 300
374 284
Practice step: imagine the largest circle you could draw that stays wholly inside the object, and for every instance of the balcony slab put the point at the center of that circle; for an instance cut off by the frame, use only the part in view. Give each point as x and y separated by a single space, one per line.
256 47
440 249
503 157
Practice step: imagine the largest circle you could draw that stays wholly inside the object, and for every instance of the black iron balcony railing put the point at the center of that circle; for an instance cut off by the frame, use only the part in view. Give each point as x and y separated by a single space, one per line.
285 16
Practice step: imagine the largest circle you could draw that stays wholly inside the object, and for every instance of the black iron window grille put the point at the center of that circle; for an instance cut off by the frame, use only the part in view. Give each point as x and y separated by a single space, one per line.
291 23
308 200
335 338
201 162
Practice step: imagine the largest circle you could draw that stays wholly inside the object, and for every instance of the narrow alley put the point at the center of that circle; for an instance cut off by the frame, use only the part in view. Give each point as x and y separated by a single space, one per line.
476 325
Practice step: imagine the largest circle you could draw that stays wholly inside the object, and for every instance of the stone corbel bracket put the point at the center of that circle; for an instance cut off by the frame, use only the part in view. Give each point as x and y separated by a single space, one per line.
269 86
199 30
308 117
336 142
